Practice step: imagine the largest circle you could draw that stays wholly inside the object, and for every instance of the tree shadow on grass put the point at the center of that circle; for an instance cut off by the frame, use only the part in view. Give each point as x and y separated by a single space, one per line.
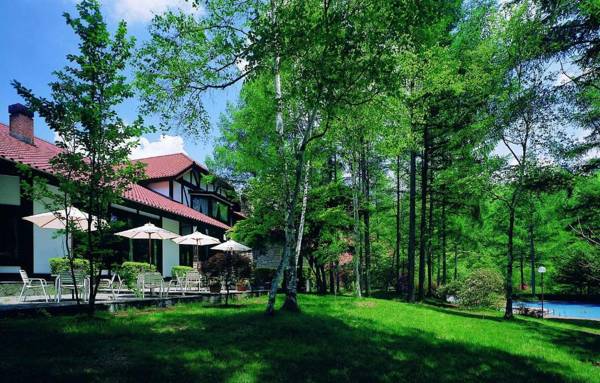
585 344
581 323
220 346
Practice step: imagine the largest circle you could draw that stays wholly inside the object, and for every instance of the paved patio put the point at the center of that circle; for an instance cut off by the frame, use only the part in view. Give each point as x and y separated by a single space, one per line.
10 305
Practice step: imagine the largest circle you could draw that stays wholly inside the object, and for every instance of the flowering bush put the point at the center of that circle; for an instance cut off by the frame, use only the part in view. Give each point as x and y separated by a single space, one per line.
482 288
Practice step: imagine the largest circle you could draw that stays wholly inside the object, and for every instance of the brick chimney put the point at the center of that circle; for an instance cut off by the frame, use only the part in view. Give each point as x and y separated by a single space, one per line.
21 123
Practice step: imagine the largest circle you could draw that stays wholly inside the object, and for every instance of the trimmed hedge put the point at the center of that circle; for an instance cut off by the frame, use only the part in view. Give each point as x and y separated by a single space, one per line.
130 270
58 265
180 270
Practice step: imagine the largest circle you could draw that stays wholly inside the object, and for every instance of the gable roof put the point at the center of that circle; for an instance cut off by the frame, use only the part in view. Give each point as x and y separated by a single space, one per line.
168 165
38 157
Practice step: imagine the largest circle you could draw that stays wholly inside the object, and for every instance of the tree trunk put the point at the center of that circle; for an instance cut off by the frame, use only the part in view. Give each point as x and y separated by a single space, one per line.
366 218
430 241
455 261
508 312
444 264
532 257
331 279
323 279
291 299
300 274
423 223
412 226
398 228
522 265
337 277
357 239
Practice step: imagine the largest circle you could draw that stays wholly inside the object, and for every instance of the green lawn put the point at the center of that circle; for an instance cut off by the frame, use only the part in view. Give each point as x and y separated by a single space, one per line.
333 340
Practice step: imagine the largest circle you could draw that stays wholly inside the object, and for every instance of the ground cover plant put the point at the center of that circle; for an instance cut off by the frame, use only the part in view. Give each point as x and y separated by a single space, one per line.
340 339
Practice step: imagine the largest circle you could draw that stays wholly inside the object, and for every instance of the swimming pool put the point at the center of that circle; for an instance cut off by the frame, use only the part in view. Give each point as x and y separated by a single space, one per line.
568 309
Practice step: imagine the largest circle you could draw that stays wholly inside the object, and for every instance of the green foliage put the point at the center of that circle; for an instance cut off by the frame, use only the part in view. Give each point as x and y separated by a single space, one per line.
579 272
58 265
469 87
449 289
180 270
239 266
129 271
482 288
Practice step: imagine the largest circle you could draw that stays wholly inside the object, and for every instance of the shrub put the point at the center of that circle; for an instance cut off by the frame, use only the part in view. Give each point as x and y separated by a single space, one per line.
240 266
449 289
482 288
130 270
58 265
180 270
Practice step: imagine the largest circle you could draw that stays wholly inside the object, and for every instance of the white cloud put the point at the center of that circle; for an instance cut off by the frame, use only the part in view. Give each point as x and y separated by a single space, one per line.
142 11
165 145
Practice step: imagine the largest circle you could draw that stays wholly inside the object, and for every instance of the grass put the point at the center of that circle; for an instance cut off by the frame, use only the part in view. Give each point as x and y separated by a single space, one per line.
333 339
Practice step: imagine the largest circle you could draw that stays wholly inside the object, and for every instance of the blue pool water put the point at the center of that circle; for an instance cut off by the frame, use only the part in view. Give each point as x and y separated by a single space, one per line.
568 309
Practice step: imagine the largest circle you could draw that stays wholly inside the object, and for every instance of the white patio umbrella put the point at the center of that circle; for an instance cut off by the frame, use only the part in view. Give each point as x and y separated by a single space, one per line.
230 247
58 219
149 232
196 239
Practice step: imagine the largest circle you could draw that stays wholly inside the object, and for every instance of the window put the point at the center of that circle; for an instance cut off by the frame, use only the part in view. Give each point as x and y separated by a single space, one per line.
200 204
9 227
220 211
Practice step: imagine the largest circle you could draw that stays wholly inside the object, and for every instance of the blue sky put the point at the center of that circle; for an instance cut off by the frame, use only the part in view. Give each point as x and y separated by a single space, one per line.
35 41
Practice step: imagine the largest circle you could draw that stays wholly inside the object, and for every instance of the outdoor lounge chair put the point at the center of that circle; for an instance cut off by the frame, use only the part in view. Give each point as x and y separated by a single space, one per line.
65 280
114 285
193 279
32 283
177 283
151 281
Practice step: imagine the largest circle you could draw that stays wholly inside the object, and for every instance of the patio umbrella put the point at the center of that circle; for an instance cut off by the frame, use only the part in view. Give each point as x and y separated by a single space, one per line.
57 219
230 247
149 232
196 239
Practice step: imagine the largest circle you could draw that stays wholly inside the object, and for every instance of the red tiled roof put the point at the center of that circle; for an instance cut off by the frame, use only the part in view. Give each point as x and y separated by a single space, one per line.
151 198
38 157
168 165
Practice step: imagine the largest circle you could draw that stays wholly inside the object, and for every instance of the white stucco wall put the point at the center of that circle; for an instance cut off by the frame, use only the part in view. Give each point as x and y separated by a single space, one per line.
177 191
46 244
161 187
10 190
170 256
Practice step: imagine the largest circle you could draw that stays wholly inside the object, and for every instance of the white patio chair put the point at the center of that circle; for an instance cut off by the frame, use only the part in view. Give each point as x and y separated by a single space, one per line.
192 279
114 285
151 281
32 283
65 281
177 283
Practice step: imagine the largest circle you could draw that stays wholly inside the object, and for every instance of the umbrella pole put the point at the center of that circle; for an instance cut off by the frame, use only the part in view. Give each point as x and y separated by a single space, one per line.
149 248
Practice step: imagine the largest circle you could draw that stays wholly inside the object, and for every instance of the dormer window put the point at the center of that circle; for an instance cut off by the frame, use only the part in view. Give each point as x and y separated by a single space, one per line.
200 204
